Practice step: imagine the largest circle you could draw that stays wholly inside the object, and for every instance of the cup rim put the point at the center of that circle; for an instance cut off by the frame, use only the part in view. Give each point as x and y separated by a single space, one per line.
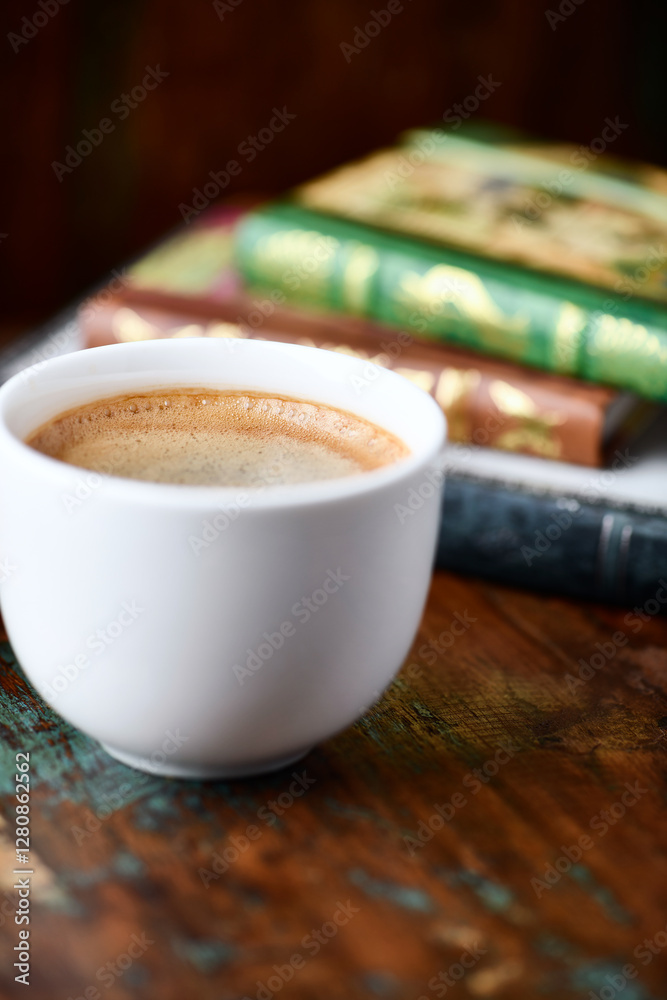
25 384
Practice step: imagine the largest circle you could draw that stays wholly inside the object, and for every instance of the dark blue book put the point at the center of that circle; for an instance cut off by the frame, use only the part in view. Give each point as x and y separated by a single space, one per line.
550 543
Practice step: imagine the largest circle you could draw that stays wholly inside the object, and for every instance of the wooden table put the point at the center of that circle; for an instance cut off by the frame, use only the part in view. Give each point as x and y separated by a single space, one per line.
489 829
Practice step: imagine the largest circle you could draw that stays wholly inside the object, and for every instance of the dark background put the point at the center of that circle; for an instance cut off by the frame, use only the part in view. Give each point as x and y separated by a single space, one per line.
227 72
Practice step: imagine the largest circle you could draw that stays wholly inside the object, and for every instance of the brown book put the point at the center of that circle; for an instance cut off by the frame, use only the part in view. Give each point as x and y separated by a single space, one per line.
487 402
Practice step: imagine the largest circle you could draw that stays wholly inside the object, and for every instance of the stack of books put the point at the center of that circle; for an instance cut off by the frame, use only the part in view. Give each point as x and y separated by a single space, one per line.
523 285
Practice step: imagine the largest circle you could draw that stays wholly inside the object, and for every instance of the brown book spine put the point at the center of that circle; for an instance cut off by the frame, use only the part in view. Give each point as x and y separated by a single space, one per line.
487 402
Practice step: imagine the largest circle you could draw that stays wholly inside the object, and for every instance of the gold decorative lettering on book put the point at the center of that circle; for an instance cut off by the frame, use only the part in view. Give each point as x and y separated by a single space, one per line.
454 392
568 338
445 288
621 336
298 259
362 264
621 345
535 432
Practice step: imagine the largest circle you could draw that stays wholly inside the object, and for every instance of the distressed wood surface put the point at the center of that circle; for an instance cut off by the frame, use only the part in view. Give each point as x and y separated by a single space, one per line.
427 857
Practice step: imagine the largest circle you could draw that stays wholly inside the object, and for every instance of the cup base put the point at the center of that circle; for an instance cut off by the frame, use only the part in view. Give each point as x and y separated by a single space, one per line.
172 769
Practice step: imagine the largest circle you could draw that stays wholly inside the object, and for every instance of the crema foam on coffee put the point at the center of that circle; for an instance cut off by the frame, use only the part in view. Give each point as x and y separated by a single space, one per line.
212 437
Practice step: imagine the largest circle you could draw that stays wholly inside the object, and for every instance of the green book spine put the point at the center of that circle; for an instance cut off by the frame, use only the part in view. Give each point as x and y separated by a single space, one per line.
430 291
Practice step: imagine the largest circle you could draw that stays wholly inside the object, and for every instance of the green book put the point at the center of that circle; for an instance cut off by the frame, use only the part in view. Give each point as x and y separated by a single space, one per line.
518 250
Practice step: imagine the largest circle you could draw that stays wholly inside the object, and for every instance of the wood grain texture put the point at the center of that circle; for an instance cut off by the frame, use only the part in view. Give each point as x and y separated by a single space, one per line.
398 892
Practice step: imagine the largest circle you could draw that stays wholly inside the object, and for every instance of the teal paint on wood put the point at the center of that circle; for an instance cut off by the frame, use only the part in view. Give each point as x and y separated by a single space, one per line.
136 868
601 894
497 898
206 956
66 765
408 897
597 975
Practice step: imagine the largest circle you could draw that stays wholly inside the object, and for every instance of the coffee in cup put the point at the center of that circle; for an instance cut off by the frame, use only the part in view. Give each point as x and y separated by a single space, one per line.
213 437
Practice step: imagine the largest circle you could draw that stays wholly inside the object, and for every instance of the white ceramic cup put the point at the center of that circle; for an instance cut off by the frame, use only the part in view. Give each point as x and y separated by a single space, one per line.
207 632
